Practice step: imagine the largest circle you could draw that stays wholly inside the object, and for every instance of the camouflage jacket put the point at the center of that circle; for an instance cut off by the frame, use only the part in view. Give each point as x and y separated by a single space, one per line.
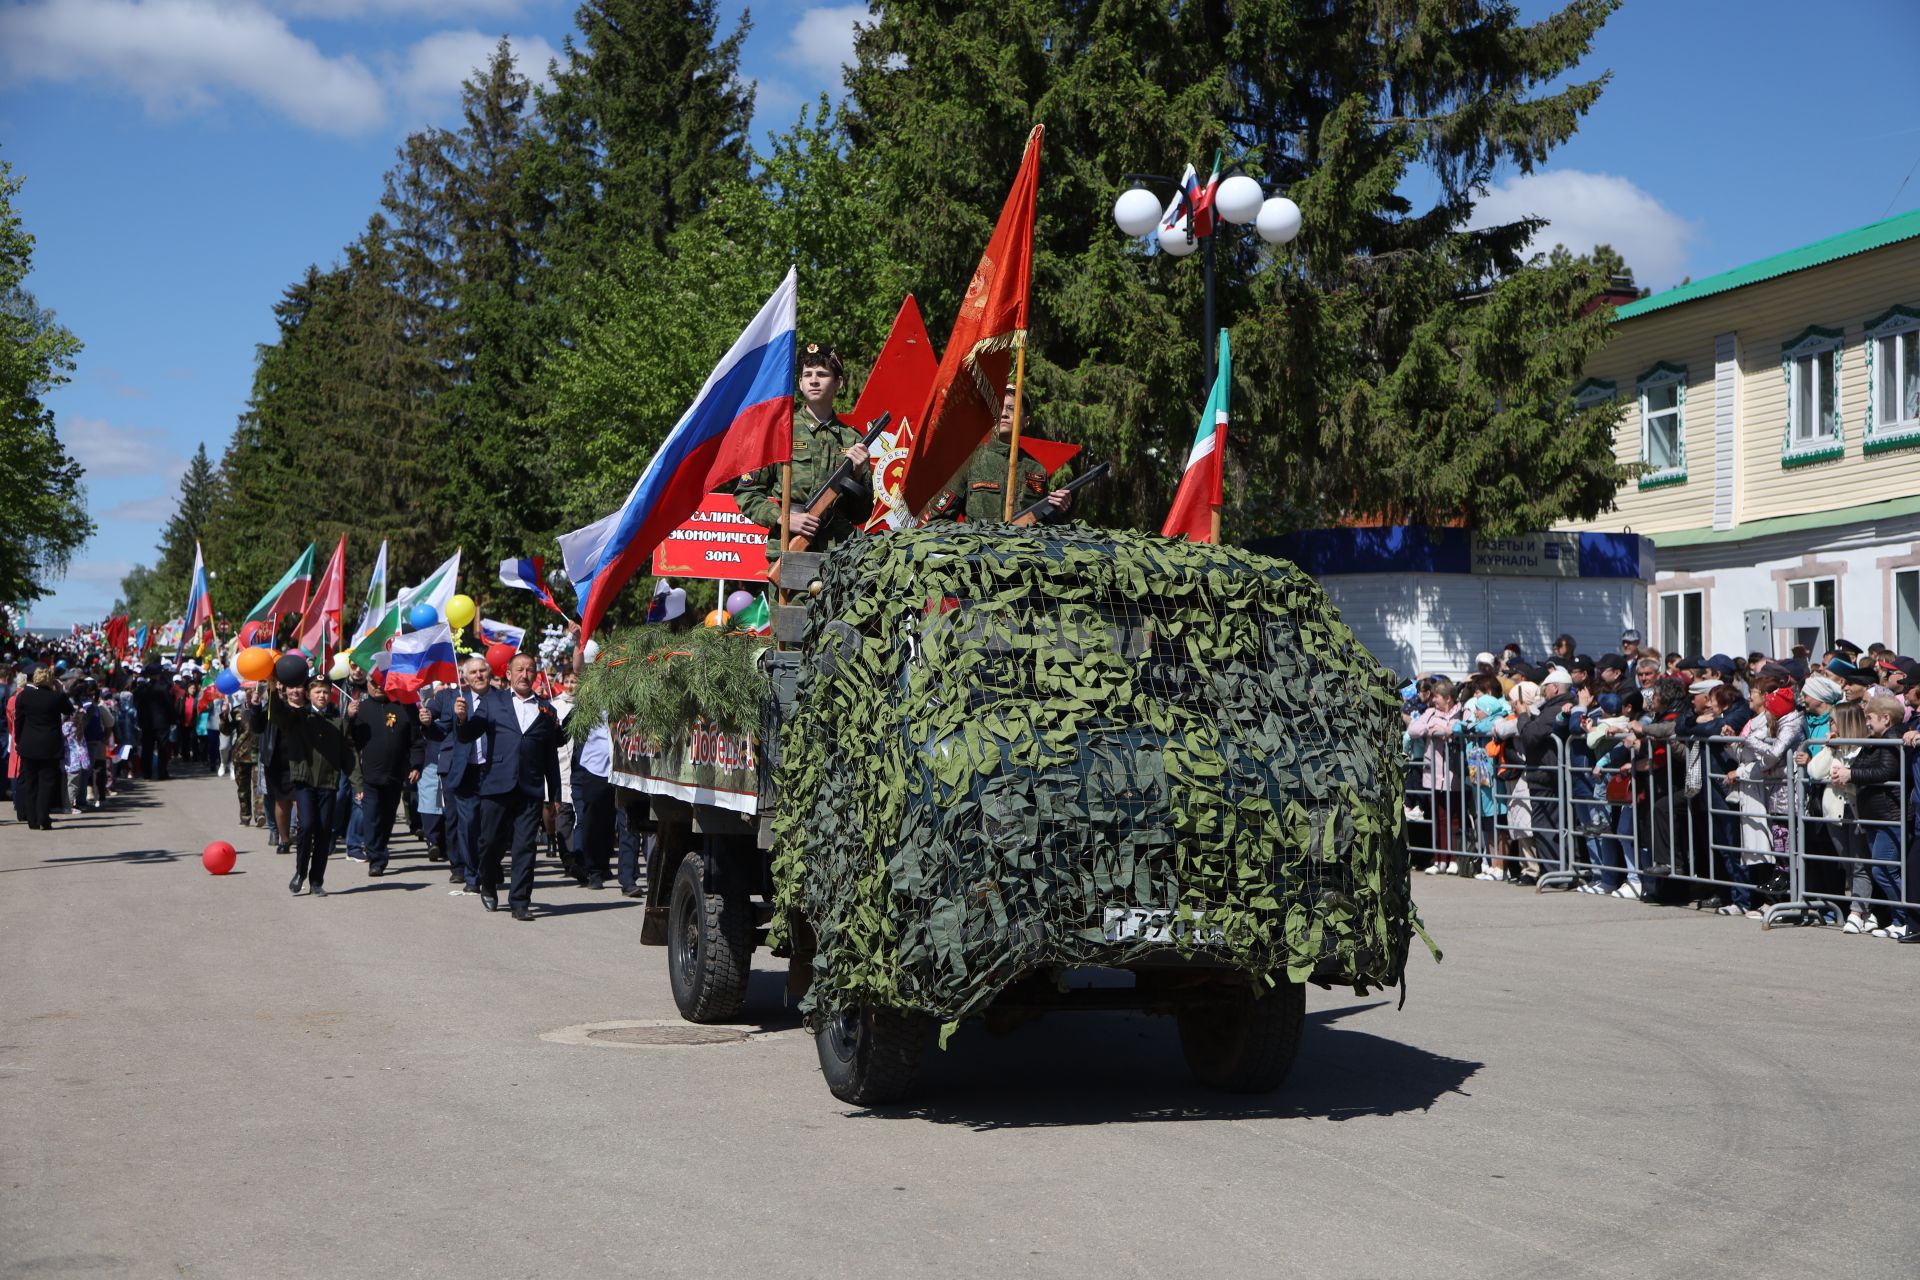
817 449
979 491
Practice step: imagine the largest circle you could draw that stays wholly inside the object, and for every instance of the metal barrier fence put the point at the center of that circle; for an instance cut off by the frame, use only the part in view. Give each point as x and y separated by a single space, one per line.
1683 820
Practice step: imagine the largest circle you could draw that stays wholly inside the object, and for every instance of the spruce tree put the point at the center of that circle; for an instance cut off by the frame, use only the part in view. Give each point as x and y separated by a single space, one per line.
199 493
340 434
615 391
647 117
1388 362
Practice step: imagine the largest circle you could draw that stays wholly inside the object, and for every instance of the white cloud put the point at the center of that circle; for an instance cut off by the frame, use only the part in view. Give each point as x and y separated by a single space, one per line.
430 75
155 510
399 8
822 40
187 55
97 573
1585 209
106 450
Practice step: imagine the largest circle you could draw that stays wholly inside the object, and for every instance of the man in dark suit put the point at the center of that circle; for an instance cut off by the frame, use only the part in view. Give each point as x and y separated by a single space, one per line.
388 750
153 704
521 737
462 765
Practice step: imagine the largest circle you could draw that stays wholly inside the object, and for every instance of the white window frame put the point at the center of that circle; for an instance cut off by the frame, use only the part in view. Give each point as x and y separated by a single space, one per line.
1812 602
1663 375
1886 364
1668 642
1816 353
1906 631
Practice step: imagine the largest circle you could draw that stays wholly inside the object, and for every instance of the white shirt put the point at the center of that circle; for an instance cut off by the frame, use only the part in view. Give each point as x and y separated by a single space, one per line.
526 710
473 704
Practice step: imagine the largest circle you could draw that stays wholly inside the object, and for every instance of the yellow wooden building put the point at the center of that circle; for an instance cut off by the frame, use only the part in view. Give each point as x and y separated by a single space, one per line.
1776 411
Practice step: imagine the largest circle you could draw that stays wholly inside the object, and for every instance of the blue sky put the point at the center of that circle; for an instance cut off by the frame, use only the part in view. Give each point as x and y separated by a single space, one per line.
186 159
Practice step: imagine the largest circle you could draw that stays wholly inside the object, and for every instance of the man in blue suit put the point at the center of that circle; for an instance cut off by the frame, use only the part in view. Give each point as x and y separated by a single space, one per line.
520 735
462 764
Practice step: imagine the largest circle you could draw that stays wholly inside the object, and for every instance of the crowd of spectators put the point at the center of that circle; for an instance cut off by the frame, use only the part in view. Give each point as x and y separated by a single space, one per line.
1680 779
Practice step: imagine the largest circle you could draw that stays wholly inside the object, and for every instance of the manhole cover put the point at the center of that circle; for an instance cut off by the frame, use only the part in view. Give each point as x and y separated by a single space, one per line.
642 1033
684 1034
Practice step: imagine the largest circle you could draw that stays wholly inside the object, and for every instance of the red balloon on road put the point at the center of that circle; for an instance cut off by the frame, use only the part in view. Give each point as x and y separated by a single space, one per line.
217 857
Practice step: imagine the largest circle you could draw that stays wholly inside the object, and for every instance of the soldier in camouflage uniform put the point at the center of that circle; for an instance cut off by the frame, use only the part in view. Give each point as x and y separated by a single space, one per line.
237 724
820 440
978 493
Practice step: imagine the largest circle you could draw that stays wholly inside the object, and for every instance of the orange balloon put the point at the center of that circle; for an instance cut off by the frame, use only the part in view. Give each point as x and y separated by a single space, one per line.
255 663
719 618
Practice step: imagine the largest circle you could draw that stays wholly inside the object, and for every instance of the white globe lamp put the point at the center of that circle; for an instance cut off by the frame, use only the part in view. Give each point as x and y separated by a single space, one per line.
1175 242
1136 211
1279 220
1238 199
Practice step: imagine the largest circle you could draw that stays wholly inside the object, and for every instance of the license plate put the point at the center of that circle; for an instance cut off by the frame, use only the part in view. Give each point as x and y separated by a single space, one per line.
1149 924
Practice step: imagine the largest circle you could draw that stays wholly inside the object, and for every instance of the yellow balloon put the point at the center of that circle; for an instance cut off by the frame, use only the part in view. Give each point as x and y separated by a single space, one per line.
460 611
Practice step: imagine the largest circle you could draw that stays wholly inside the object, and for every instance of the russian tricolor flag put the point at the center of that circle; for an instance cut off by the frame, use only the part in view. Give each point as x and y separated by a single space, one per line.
199 600
742 420
418 659
528 573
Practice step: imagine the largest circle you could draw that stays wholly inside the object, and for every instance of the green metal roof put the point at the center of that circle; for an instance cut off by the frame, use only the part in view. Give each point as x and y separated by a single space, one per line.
1875 235
1887 510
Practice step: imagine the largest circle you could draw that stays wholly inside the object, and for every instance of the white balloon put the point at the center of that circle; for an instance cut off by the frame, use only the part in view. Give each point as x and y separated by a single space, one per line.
1173 240
1238 199
1136 211
339 669
1279 220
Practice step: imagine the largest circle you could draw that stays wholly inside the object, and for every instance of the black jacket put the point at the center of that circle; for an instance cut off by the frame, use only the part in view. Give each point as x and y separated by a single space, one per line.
1876 775
153 704
1540 745
37 716
386 741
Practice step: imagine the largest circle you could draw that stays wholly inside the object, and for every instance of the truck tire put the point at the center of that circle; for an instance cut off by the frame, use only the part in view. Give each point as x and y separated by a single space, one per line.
1246 1045
871 1056
709 946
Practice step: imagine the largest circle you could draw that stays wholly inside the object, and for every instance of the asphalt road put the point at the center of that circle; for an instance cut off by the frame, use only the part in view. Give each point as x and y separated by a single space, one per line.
209 1077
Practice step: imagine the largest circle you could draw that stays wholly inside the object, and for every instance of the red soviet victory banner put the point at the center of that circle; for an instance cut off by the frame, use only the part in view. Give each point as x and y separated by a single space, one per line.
965 400
901 380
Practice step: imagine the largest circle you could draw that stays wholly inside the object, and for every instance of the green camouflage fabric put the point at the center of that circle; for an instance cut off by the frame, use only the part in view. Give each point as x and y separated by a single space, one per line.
979 491
817 450
1002 737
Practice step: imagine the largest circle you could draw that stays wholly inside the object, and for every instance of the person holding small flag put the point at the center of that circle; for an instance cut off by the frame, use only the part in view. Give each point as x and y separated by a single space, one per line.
521 733
461 766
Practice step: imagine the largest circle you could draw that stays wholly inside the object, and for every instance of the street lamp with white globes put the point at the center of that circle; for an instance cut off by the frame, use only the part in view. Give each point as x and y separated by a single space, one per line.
1238 200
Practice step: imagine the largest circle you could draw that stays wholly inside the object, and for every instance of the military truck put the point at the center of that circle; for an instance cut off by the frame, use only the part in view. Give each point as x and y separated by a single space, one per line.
990 757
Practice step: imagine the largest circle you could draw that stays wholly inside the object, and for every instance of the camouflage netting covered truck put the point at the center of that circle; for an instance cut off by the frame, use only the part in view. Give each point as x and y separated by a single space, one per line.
1012 754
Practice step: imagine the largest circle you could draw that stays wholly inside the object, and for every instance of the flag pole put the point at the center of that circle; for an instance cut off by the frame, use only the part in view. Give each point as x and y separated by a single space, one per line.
1019 399
1220 464
786 518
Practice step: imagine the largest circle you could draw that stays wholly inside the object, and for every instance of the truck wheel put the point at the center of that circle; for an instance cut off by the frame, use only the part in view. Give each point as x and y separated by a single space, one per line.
709 946
1248 1045
871 1056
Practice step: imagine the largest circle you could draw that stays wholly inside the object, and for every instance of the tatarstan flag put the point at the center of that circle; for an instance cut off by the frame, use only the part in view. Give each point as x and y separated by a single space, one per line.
289 595
965 400
1201 486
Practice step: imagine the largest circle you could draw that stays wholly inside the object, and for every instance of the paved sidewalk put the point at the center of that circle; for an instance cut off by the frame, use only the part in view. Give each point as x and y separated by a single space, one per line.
210 1077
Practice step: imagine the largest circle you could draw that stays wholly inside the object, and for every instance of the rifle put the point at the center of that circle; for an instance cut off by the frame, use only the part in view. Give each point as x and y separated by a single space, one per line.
843 483
1038 512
